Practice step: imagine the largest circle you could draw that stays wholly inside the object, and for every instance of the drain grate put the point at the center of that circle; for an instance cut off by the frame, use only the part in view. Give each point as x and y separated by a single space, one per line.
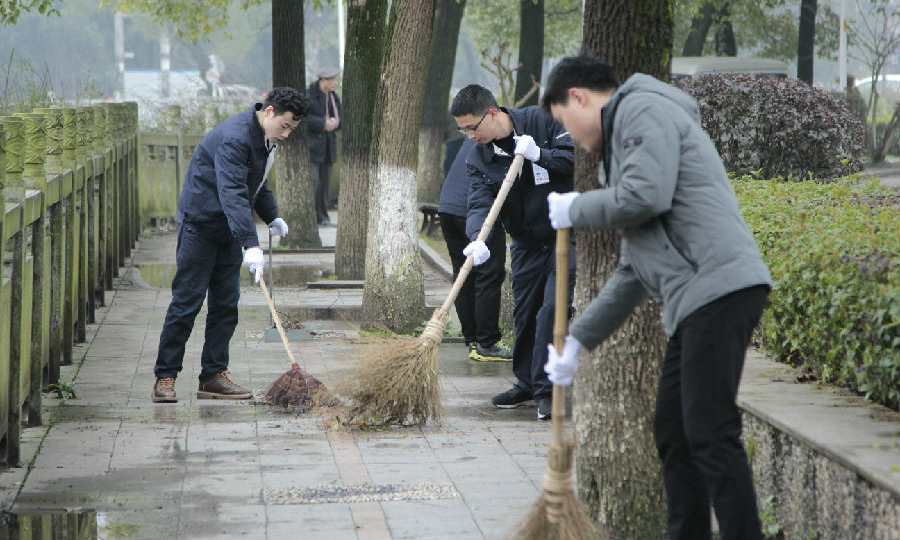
359 493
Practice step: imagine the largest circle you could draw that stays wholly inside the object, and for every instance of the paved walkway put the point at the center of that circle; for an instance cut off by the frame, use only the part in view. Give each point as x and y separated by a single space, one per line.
210 469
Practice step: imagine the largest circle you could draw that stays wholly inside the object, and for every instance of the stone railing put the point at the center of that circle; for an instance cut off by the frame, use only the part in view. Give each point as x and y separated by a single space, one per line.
70 218
164 154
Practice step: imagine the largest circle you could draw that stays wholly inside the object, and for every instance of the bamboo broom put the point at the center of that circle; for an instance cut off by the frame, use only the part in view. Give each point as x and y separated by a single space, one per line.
400 384
295 387
557 515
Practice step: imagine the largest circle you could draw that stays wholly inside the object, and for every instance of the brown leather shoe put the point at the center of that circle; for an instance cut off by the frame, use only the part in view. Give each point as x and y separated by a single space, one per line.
220 386
164 391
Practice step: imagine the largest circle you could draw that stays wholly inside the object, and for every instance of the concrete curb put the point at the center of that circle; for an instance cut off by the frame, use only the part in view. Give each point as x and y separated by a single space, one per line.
435 260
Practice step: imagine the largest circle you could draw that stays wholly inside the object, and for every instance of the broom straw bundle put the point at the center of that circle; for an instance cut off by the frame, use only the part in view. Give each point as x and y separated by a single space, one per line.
557 515
400 385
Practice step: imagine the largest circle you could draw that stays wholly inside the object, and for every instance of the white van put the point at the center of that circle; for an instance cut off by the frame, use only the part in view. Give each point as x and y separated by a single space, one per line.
685 67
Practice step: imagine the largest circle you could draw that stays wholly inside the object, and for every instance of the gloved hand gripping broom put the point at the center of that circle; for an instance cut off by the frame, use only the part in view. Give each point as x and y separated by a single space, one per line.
400 384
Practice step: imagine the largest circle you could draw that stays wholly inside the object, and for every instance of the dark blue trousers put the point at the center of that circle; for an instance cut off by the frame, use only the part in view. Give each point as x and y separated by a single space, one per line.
534 292
206 270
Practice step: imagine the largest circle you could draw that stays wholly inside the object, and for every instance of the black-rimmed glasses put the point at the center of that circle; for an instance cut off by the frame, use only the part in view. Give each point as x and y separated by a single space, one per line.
465 131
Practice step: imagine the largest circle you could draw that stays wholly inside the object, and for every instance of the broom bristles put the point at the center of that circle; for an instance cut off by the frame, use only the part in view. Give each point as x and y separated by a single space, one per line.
298 389
398 382
572 524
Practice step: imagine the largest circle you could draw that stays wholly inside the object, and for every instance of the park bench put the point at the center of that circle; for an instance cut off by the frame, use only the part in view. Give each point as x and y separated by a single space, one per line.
430 218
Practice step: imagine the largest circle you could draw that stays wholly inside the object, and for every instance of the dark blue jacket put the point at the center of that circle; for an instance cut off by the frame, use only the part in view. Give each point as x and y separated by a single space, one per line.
524 214
455 191
223 182
322 144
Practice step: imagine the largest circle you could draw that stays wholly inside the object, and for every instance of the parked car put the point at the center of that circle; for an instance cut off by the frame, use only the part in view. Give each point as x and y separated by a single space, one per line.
685 67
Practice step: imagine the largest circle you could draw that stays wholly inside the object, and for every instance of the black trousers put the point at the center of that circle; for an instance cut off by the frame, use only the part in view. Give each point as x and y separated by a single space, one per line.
321 176
698 426
478 302
203 266
534 292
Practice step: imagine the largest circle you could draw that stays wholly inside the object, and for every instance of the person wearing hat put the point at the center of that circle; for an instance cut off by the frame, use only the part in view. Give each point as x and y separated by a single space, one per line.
324 120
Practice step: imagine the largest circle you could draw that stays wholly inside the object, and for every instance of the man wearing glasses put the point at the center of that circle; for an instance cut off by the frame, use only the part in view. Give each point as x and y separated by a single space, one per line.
501 133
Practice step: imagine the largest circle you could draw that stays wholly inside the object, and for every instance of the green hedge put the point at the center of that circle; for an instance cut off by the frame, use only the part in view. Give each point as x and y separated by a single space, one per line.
834 253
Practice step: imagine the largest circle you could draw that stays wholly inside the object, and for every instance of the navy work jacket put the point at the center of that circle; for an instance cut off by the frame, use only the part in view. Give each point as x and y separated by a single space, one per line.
525 213
225 181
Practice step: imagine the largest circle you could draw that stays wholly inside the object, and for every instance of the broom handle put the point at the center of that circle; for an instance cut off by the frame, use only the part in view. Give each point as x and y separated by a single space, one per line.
284 339
508 181
560 318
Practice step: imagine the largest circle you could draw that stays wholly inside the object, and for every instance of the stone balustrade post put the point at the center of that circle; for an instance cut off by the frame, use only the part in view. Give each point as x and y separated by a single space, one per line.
35 154
53 125
15 148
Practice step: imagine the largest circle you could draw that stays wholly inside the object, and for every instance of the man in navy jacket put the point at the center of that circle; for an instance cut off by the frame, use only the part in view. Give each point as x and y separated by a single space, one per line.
549 166
225 183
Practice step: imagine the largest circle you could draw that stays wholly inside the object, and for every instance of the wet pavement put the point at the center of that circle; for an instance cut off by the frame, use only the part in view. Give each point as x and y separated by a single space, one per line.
216 469
117 465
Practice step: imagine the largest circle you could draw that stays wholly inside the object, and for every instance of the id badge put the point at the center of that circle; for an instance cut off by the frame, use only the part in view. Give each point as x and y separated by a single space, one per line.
541 176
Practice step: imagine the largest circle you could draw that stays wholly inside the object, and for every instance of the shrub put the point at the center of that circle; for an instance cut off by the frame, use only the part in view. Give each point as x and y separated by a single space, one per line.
779 127
834 254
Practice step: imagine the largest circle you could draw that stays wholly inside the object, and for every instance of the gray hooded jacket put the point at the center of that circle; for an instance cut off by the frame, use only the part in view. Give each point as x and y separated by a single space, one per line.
683 238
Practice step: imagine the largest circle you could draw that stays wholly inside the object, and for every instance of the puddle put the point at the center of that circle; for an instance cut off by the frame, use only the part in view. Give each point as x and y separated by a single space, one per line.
80 525
160 275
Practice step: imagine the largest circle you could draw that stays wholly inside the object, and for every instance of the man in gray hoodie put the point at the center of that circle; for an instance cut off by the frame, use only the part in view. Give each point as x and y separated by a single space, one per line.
683 242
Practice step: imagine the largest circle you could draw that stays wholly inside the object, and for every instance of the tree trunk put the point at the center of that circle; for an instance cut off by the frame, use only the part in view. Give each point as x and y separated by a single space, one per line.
531 50
615 393
394 293
725 44
805 40
294 191
882 148
441 60
366 22
696 39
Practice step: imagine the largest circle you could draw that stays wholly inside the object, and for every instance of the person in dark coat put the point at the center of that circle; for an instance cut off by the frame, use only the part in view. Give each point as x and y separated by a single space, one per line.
224 184
323 123
478 302
501 133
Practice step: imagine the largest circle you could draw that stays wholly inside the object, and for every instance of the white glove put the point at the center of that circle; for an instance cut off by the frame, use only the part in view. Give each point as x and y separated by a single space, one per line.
255 260
278 227
526 147
561 368
479 252
559 204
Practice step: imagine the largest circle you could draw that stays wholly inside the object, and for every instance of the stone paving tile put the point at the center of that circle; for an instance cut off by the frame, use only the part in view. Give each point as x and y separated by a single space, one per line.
407 473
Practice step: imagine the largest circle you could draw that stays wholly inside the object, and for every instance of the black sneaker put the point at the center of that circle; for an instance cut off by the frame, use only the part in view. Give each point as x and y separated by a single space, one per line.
510 399
472 353
492 353
544 406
